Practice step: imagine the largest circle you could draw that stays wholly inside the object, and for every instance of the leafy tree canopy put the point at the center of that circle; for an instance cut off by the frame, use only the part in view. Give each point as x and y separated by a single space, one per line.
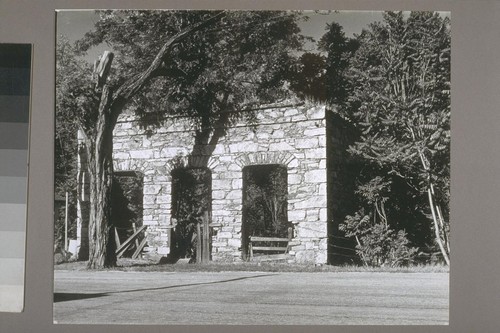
399 98
236 63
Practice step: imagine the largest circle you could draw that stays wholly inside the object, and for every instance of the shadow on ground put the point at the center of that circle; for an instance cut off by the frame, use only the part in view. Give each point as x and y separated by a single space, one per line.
63 297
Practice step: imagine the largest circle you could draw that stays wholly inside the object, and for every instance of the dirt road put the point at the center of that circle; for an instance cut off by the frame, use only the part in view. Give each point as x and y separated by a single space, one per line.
249 298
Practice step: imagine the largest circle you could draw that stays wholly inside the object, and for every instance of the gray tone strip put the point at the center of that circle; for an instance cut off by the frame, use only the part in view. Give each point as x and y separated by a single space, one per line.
14 135
14 109
14 81
12 244
13 163
12 271
15 55
11 297
13 189
12 217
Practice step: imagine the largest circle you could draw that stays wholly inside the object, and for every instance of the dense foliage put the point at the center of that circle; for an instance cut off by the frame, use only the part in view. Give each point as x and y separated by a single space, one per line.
399 98
66 146
265 201
234 64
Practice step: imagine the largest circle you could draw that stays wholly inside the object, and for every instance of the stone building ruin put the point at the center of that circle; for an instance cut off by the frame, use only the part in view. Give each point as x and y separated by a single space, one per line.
308 141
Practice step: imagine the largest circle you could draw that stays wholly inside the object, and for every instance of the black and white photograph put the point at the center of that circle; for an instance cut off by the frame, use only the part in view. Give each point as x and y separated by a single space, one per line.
252 167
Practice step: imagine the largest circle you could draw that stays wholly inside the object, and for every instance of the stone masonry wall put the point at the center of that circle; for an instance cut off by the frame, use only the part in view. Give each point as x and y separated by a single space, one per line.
291 136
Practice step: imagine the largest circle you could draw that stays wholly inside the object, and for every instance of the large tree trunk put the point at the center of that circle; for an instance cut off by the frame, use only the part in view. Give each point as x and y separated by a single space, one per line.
100 150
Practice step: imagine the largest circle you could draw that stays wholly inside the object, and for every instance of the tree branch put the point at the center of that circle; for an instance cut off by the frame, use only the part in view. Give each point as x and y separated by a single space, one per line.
138 81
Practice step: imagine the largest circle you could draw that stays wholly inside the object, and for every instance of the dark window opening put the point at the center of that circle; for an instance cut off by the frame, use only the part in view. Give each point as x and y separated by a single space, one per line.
264 203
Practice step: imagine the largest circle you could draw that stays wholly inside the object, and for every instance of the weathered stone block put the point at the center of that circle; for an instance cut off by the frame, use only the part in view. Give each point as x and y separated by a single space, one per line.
311 230
322 163
120 155
312 215
306 143
142 154
152 189
315 131
223 234
218 194
230 175
234 242
298 117
305 257
161 199
323 214
309 245
280 146
316 153
311 202
278 134
320 257
294 179
316 113
221 184
296 215
149 199
241 147
234 195
315 176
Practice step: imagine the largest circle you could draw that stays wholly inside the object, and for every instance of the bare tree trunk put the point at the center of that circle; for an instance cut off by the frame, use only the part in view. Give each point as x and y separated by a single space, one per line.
101 242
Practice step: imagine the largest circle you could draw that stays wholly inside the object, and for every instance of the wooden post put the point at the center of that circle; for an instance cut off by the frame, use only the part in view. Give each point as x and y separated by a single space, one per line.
66 224
171 230
199 258
250 249
136 240
117 238
206 239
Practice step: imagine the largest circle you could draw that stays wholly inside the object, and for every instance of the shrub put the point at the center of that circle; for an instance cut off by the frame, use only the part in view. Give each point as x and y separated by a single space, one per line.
377 244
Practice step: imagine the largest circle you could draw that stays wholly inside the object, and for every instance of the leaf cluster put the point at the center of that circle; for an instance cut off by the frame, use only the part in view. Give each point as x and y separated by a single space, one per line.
399 79
237 63
265 202
378 245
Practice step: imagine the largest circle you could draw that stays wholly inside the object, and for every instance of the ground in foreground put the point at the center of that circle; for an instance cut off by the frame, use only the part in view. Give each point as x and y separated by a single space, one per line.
251 298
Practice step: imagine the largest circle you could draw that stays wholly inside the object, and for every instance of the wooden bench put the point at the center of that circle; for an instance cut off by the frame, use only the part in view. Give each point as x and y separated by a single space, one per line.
253 244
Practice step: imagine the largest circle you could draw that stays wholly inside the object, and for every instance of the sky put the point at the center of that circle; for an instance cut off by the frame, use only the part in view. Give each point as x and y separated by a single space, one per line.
74 23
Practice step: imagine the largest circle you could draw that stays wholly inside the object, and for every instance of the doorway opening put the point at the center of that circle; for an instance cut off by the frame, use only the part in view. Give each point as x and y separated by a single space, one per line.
264 203
126 205
191 207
